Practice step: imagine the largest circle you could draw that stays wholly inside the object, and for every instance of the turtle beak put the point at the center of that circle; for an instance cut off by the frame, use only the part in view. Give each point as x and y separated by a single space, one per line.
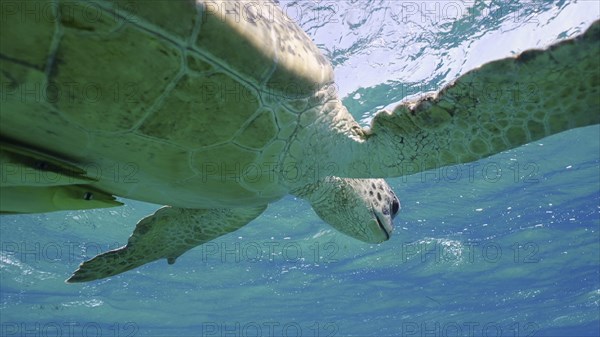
382 227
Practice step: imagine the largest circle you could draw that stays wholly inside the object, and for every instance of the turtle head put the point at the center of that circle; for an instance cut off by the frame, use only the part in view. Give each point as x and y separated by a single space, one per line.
361 208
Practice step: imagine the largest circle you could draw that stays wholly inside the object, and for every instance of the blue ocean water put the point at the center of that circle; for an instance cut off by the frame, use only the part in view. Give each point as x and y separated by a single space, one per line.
507 246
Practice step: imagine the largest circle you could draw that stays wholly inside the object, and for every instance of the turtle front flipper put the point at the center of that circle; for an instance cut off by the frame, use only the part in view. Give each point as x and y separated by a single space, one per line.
166 234
499 106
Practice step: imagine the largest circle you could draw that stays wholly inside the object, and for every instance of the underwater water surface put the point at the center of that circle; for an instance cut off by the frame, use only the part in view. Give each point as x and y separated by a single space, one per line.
506 246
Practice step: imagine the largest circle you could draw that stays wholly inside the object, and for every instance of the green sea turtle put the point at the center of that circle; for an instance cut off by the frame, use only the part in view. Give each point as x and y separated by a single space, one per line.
217 108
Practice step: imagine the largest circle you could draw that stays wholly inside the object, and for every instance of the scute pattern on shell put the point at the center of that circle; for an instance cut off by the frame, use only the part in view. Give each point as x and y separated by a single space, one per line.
152 92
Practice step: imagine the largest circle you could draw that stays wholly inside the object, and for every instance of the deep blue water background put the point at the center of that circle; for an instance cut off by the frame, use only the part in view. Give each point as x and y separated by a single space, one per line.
508 246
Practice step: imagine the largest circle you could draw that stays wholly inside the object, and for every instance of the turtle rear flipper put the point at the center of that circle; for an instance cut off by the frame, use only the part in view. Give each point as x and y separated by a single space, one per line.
166 234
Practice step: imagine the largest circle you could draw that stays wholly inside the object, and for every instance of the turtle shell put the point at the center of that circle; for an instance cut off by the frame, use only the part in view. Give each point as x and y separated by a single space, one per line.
185 103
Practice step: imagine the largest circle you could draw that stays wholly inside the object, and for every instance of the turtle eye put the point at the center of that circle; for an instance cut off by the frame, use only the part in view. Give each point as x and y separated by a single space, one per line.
395 206
88 196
